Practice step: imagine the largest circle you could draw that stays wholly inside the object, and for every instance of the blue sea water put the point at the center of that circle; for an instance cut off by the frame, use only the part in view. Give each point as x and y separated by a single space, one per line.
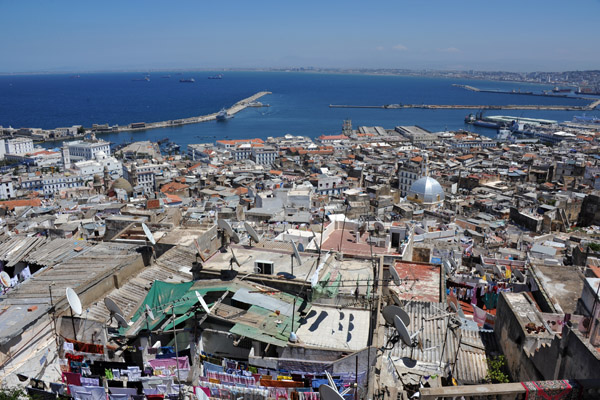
299 103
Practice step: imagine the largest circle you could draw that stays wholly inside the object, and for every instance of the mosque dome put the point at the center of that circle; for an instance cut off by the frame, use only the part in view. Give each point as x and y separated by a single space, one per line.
122 183
426 191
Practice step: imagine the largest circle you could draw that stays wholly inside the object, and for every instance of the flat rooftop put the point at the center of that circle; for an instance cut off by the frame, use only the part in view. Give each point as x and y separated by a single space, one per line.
563 284
334 328
418 281
345 241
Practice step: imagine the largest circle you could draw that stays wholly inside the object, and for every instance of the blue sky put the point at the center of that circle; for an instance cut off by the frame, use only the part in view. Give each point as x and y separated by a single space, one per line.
525 35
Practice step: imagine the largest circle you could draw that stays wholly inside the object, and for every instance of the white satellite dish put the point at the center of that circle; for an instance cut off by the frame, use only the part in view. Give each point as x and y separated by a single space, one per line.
315 241
326 392
403 332
148 233
253 235
221 223
390 311
150 313
74 301
296 254
112 306
121 320
5 279
202 302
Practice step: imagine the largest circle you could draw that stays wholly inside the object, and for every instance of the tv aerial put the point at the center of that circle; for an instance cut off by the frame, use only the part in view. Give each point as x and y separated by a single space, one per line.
253 234
75 305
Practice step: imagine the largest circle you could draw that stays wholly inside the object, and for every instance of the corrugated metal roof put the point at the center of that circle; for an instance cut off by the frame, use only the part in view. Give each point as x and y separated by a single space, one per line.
471 365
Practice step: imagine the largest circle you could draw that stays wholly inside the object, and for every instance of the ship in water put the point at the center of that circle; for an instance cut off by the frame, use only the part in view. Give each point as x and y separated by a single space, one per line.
223 115
586 119
258 104
187 80
479 120
146 79
219 76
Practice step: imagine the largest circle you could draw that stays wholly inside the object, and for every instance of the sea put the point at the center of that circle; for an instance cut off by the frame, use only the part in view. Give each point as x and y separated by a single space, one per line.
299 103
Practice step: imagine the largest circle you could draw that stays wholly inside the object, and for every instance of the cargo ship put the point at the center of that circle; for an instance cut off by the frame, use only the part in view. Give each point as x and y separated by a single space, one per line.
219 76
187 80
479 120
587 90
561 90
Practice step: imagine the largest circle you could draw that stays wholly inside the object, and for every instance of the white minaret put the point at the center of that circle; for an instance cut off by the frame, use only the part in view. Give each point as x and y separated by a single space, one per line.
66 157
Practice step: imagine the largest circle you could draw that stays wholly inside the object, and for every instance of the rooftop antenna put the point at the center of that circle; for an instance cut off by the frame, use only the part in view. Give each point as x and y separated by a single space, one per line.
296 255
75 305
253 234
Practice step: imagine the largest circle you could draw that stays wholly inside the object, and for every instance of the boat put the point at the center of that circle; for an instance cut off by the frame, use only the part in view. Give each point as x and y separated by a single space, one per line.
219 76
504 134
479 120
223 115
166 76
187 80
257 104
146 79
586 120
561 90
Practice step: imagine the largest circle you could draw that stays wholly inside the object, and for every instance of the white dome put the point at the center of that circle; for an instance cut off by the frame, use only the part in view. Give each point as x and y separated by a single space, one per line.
427 191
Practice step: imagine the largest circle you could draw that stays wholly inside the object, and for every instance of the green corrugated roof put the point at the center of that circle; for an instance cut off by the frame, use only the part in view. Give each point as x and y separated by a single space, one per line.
183 297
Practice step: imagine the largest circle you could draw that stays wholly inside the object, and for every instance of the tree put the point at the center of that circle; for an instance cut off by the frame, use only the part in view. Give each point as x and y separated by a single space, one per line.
7 393
496 368
81 130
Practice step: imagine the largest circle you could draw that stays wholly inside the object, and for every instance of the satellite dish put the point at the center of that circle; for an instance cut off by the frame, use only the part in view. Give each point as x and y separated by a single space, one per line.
148 234
389 312
402 331
255 236
5 279
112 306
300 247
326 392
379 226
202 302
150 313
480 269
498 271
296 254
457 309
121 320
74 301
519 275
221 223
234 258
315 241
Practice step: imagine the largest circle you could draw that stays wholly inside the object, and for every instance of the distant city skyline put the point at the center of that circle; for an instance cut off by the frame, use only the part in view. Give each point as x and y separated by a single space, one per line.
463 35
